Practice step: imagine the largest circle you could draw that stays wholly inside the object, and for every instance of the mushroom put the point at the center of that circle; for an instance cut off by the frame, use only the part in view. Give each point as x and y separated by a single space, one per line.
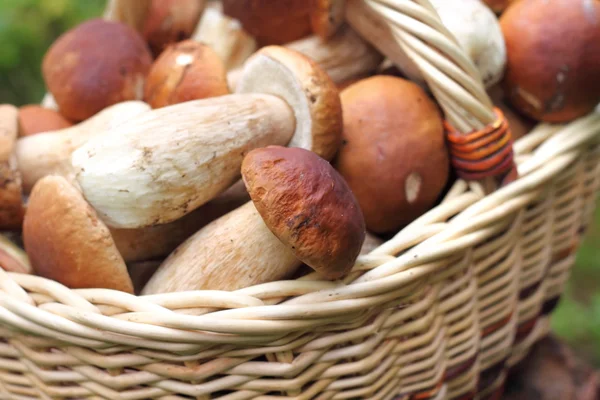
185 71
165 163
12 257
225 35
11 199
36 119
49 153
393 154
150 243
344 56
553 70
171 21
272 22
473 24
301 211
67 242
130 12
95 65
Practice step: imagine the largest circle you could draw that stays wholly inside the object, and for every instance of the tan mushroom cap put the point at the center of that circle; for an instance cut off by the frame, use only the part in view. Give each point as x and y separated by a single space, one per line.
67 242
185 71
327 16
37 119
11 190
308 90
394 156
307 205
95 65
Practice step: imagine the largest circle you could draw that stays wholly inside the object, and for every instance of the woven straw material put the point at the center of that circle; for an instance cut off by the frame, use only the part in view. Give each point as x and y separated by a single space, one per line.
440 311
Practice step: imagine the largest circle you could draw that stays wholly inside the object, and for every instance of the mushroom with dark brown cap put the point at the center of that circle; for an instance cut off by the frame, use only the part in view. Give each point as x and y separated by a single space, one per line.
169 161
67 242
393 155
171 21
553 68
302 210
185 71
36 119
11 192
95 65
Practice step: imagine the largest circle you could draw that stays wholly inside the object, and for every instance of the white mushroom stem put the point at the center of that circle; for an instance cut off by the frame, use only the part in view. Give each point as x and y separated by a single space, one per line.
50 153
345 56
167 162
130 12
225 36
220 256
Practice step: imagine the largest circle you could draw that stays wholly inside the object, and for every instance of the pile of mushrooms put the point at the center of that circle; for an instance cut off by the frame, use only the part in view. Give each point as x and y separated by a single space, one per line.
246 139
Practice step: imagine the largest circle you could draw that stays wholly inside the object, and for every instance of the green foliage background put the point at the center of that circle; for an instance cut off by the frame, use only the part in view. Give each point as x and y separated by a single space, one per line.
28 27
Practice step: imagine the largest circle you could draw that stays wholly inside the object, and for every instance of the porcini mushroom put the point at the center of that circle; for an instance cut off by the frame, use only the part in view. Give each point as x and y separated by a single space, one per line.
272 22
393 154
36 119
225 35
95 65
12 257
185 71
171 21
301 211
49 153
553 70
11 195
67 242
169 161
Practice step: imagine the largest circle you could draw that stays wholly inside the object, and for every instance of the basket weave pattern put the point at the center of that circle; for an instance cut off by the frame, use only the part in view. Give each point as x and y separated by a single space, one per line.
441 311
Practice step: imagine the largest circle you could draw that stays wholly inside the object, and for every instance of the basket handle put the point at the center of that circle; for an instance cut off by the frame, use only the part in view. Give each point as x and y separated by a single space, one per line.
479 137
129 12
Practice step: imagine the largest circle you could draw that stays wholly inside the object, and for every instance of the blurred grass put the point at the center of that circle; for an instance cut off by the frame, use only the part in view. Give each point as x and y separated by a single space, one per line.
28 28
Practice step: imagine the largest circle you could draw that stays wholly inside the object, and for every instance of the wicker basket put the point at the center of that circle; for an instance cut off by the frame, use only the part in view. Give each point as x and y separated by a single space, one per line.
441 311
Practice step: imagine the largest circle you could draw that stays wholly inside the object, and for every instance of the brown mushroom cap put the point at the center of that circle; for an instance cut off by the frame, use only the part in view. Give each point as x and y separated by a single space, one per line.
553 48
272 21
307 205
185 71
327 16
171 21
36 119
306 88
393 156
67 242
95 65
11 189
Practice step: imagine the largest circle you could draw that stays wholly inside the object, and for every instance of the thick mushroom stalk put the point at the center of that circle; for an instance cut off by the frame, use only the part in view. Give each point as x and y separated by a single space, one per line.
302 210
50 153
168 162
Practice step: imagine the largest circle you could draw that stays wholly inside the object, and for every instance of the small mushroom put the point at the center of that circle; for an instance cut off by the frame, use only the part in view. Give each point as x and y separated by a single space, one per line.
171 21
11 194
185 71
67 242
393 154
36 119
553 70
12 257
169 161
95 65
49 153
272 22
225 35
301 211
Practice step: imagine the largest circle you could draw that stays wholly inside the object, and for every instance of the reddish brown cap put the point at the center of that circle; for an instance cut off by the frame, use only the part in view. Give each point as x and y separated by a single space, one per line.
272 22
307 205
95 65
36 119
67 242
185 71
393 154
171 21
553 49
